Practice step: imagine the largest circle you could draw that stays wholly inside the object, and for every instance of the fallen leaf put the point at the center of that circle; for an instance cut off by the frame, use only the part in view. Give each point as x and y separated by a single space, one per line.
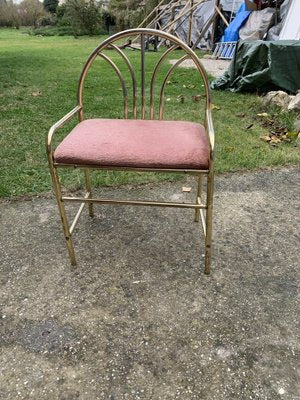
229 149
191 86
35 94
215 107
168 99
292 135
275 140
263 115
198 97
186 189
265 138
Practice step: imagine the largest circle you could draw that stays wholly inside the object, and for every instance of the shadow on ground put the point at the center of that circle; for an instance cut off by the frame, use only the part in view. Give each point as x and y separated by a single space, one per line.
137 318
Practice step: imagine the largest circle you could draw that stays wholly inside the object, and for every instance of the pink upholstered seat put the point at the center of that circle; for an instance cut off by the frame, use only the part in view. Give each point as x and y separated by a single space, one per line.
136 143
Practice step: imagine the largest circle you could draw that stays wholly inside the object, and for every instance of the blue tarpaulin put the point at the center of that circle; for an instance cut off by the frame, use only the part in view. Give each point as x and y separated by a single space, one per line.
231 33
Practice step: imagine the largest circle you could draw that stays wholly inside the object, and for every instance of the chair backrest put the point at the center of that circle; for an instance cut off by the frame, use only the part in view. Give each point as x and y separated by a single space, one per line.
144 36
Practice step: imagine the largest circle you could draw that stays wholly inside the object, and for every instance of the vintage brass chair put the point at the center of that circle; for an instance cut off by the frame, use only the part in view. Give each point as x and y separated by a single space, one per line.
139 143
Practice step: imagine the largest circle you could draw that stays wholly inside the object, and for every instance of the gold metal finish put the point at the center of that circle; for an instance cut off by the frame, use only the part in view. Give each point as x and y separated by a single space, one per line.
198 198
88 189
199 206
77 216
133 78
209 204
153 78
162 91
109 168
143 73
118 72
133 202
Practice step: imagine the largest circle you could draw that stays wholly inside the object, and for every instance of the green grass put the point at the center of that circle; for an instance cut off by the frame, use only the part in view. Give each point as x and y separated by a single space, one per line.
52 65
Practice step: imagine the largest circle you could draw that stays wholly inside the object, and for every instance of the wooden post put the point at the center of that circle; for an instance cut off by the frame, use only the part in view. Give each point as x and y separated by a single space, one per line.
190 24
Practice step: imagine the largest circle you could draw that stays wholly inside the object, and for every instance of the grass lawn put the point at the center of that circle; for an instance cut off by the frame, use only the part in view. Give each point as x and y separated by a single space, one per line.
38 82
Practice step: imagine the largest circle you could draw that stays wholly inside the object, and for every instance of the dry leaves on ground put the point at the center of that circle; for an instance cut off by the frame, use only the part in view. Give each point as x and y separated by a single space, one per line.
37 93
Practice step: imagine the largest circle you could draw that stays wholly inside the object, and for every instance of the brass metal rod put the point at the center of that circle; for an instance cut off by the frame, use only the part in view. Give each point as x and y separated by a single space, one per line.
183 171
75 220
122 81
203 221
133 202
89 189
133 78
153 78
143 73
162 91
59 124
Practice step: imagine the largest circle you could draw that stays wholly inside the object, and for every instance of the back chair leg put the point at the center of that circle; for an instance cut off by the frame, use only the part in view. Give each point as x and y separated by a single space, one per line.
89 190
63 216
208 236
199 190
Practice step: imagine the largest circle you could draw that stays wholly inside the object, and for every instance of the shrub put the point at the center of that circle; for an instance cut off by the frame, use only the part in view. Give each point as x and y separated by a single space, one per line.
85 17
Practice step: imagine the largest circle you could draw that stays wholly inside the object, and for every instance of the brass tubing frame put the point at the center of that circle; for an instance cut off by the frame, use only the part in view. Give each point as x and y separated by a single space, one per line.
143 73
133 78
162 91
89 189
88 199
122 81
134 169
77 216
199 189
153 78
150 32
209 204
132 202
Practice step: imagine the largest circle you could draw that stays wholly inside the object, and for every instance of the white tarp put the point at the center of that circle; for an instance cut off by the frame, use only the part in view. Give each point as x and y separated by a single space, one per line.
291 26
231 5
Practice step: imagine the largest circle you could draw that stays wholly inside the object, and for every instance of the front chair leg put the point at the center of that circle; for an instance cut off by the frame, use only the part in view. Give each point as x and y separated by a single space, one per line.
89 190
208 235
63 216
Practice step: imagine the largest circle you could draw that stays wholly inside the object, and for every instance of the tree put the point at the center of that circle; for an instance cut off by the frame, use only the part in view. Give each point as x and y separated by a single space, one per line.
85 16
9 15
129 13
50 5
31 11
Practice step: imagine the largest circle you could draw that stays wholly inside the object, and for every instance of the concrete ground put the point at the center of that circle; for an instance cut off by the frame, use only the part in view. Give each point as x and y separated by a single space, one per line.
137 318
213 67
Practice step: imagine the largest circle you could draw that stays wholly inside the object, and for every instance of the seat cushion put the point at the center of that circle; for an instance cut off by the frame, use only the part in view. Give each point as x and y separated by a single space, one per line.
136 143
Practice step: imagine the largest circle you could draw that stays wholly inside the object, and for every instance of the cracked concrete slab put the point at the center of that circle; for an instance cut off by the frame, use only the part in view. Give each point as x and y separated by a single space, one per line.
137 318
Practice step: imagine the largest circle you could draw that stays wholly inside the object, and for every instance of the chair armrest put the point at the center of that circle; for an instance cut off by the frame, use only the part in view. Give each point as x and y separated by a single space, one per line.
210 129
58 125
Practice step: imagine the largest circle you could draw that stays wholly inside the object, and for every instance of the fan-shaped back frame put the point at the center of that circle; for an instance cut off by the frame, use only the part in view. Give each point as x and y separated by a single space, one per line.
143 33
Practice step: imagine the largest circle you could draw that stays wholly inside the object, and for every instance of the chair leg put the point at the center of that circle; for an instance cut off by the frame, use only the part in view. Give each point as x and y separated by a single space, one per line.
63 216
199 190
208 236
89 189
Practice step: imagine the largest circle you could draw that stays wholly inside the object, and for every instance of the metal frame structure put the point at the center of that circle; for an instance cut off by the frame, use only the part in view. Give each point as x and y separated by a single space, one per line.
203 210
186 10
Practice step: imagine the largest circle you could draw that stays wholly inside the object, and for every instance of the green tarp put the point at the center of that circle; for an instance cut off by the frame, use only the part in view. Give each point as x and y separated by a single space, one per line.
259 66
